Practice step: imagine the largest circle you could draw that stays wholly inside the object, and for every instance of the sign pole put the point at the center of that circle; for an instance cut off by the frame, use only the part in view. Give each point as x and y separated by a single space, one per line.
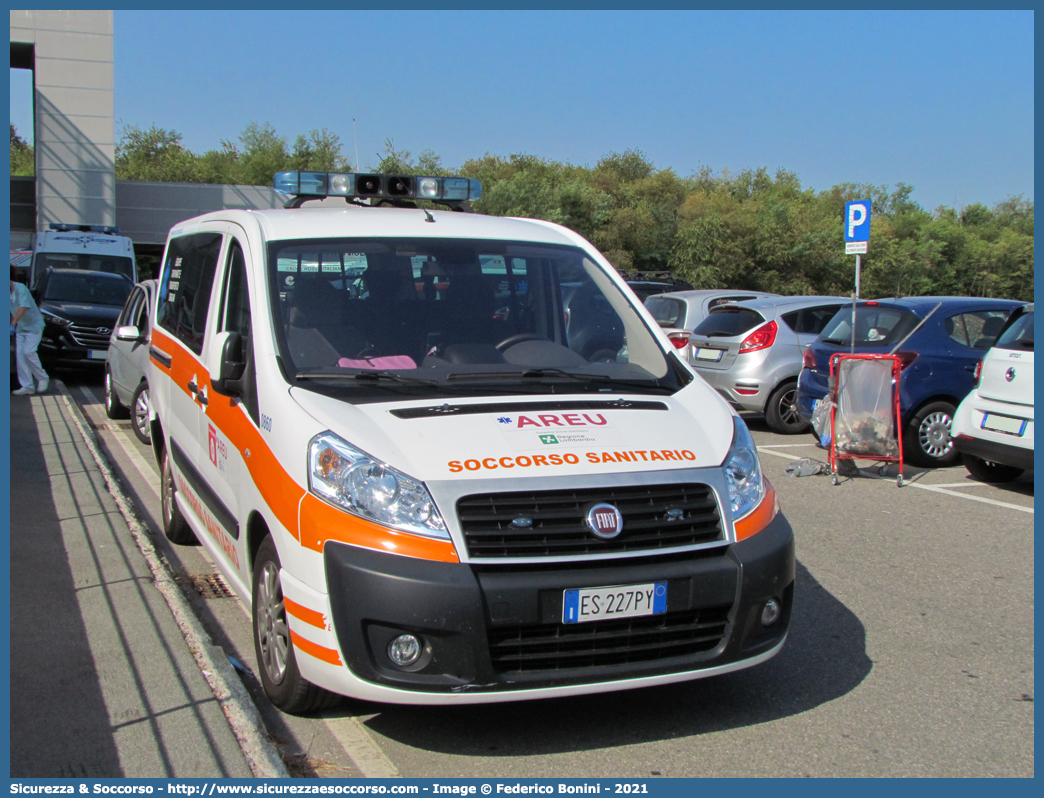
858 262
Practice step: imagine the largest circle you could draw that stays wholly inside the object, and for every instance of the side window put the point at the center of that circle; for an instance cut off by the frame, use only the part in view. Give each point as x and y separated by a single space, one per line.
954 327
813 320
141 314
793 320
185 290
983 327
130 310
236 316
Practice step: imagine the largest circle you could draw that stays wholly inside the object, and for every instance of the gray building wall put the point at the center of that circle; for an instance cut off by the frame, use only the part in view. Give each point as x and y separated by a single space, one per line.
70 53
146 211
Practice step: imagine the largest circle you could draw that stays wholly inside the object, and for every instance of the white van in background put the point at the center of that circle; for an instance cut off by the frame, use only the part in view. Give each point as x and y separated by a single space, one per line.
91 247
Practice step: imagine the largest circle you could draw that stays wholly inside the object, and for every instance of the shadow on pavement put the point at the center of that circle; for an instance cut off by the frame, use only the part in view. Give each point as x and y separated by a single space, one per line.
824 658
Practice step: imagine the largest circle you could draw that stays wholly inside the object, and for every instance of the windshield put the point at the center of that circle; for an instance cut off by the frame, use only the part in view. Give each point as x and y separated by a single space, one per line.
876 325
454 317
87 288
93 262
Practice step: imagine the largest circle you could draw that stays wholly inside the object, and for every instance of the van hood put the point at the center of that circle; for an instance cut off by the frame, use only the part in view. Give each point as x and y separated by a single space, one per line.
560 435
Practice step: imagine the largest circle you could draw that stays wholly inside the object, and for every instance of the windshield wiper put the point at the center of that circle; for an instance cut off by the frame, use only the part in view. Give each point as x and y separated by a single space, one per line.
835 341
377 375
542 374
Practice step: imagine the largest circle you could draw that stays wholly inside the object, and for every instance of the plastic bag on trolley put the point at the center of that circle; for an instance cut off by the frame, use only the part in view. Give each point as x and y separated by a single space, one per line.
821 420
864 423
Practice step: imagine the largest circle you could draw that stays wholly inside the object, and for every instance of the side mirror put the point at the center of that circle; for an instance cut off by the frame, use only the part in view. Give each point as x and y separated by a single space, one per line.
228 363
128 333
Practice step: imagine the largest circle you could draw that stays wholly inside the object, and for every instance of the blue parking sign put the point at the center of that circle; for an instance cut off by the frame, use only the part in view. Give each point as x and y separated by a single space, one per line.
857 221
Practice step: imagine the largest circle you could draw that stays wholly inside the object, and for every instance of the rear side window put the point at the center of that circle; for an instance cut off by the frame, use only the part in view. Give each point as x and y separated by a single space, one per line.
667 311
810 321
188 277
1019 335
876 325
728 320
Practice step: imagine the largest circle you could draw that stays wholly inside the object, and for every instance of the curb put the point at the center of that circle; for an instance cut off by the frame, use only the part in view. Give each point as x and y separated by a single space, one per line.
235 701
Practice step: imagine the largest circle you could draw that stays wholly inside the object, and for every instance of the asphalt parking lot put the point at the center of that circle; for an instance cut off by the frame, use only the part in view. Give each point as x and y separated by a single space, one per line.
910 652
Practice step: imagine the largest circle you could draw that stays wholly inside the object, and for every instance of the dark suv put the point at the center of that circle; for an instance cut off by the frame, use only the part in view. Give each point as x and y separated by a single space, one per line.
80 309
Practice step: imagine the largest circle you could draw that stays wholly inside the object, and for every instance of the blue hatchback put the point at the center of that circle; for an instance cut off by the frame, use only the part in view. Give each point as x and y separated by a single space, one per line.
938 358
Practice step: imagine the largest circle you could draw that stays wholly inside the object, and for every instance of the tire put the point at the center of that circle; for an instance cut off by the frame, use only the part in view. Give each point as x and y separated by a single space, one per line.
781 413
113 407
986 471
139 409
175 527
926 439
276 659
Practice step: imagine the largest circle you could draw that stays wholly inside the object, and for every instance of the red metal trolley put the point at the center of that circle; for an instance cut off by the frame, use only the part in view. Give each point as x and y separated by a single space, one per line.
865 423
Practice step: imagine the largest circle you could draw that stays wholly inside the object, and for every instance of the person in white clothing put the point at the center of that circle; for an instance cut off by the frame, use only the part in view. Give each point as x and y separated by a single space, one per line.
28 325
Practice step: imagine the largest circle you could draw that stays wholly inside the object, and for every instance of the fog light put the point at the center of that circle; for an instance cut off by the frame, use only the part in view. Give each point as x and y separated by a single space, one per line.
405 650
769 613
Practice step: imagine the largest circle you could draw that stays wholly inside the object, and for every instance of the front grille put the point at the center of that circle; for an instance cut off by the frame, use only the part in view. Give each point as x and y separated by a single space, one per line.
557 525
540 647
90 336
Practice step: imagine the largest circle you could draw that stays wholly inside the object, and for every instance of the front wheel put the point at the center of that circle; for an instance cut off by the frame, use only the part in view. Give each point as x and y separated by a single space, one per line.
926 440
140 414
113 407
781 413
175 527
987 471
276 660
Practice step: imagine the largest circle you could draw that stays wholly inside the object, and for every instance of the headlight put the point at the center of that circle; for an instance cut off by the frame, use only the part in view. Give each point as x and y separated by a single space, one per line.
55 319
354 481
743 472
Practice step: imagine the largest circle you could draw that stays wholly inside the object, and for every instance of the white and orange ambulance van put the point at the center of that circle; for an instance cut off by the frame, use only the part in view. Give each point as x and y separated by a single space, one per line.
450 458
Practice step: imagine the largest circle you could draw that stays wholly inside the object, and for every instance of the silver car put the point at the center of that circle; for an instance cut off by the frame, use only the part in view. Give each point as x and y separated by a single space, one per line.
127 359
685 309
751 353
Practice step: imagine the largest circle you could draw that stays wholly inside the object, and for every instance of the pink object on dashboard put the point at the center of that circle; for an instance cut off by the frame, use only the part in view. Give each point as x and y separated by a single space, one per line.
387 362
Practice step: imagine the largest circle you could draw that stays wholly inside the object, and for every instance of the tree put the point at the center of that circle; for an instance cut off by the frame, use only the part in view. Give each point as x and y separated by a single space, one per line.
155 154
23 159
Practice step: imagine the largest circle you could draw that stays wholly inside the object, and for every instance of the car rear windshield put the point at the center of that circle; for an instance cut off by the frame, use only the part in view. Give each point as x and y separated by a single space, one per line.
726 321
876 325
1019 335
667 311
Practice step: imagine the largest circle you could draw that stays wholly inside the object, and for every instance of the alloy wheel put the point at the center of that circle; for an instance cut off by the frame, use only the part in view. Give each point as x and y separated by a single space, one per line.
272 630
933 434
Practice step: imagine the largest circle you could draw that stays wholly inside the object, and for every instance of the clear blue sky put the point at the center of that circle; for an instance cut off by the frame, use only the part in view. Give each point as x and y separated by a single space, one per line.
941 100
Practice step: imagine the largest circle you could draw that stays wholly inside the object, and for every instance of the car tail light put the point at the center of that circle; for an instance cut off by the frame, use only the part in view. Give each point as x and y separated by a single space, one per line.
808 360
978 373
761 338
906 358
680 338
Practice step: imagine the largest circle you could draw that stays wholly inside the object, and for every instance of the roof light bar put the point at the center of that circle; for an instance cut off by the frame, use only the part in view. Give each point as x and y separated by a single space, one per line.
396 187
66 227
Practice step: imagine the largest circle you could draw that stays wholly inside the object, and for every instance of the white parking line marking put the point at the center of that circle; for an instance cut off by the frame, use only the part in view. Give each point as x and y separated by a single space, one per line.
786 446
914 484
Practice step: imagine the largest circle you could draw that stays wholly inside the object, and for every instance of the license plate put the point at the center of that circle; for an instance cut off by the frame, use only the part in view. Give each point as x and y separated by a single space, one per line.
97 354
622 601
1008 424
709 354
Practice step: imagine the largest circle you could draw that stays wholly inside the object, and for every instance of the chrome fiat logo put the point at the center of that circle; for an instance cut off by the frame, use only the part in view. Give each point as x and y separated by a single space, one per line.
604 521
1009 375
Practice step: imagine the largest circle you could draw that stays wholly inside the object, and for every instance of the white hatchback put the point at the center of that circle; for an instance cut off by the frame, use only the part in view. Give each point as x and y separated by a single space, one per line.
993 427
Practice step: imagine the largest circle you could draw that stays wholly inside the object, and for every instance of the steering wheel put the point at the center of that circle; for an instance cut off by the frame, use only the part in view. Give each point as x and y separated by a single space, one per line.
509 342
370 350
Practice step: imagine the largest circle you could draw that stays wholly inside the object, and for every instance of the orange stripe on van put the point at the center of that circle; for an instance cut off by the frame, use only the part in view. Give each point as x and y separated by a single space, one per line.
760 516
321 522
315 650
307 518
304 614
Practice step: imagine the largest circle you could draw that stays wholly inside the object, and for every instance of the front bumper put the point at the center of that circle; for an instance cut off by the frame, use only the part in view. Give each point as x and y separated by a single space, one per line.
497 629
57 346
